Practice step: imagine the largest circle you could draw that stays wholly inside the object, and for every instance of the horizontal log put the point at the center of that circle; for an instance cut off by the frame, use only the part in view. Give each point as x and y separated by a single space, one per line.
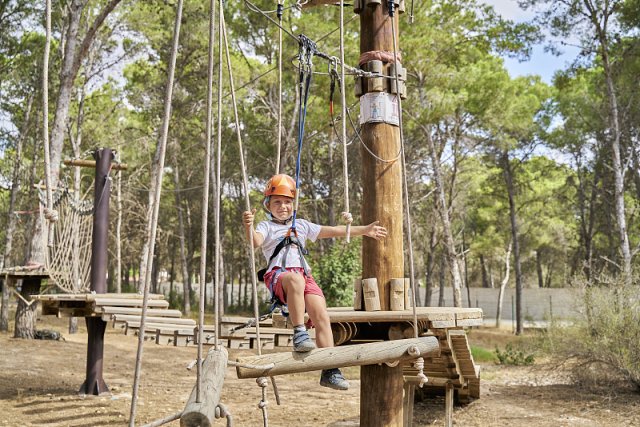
149 319
446 315
93 297
137 311
202 414
334 357
92 164
128 302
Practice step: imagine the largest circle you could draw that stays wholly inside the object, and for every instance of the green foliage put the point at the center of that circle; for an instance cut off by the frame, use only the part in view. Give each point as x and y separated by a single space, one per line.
481 354
606 337
336 272
513 357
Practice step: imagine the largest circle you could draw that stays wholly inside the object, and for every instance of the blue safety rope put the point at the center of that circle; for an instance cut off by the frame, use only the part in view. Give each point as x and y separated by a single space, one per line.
307 49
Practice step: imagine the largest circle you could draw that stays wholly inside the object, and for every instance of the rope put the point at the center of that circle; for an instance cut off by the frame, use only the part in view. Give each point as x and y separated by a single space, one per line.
245 181
280 9
156 207
407 205
345 164
222 411
378 55
262 382
205 202
164 420
50 214
306 51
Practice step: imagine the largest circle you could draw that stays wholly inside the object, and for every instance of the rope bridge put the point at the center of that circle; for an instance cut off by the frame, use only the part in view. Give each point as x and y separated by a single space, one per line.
68 254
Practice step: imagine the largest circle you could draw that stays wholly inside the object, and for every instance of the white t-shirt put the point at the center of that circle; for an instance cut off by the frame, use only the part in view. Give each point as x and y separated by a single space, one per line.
274 233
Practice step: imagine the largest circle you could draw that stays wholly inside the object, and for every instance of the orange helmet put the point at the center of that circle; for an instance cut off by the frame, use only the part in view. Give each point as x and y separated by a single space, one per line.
280 185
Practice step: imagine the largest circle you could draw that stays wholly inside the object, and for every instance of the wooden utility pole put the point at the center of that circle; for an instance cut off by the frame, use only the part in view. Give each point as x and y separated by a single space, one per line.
382 386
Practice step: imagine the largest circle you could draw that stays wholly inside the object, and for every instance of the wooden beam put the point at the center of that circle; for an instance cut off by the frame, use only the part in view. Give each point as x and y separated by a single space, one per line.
202 414
448 402
334 357
92 164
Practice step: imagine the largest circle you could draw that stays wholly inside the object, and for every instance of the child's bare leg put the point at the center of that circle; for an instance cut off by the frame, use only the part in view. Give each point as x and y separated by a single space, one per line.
317 309
293 285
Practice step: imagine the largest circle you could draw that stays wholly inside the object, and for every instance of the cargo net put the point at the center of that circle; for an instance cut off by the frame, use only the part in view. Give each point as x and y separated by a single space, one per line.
68 246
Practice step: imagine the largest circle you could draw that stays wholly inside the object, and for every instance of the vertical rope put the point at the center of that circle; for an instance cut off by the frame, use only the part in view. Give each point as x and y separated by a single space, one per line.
156 206
245 182
45 118
345 165
407 206
216 321
205 203
278 152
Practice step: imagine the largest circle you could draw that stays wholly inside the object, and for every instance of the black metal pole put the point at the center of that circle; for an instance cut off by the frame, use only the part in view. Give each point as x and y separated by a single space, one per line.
94 383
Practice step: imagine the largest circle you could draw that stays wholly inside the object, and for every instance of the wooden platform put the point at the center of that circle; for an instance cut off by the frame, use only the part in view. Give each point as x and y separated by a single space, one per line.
14 273
92 305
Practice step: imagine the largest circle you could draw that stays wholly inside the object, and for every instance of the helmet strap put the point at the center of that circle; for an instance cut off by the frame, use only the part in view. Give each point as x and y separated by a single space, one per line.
278 221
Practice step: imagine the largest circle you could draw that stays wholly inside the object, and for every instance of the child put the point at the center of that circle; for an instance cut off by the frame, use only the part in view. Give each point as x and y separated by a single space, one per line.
288 274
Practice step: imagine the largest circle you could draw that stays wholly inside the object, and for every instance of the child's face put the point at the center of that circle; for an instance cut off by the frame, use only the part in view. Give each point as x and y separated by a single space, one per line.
281 207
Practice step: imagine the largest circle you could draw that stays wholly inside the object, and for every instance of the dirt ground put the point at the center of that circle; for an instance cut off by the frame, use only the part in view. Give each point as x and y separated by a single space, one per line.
39 382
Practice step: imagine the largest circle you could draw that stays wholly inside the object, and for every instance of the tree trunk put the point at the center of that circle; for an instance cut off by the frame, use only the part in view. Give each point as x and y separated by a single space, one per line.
508 177
11 218
466 271
442 279
503 285
539 268
430 268
26 314
186 288
483 267
118 232
4 308
446 223
600 19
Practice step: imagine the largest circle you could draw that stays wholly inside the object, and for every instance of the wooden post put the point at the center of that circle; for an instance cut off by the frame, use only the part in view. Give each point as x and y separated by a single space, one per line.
381 387
371 294
448 404
94 383
357 294
213 370
397 296
408 301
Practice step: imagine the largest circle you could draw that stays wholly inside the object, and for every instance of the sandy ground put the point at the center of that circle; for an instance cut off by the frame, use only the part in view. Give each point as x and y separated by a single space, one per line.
39 381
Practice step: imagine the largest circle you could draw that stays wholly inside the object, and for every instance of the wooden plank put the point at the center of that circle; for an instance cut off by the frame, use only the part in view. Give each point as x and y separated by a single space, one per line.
124 302
470 322
138 311
153 319
333 357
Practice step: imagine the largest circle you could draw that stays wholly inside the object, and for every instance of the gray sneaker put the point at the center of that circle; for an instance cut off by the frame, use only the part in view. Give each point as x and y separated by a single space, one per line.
334 379
302 342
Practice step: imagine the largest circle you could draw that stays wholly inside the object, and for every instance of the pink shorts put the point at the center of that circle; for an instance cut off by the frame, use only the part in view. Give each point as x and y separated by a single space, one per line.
275 275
